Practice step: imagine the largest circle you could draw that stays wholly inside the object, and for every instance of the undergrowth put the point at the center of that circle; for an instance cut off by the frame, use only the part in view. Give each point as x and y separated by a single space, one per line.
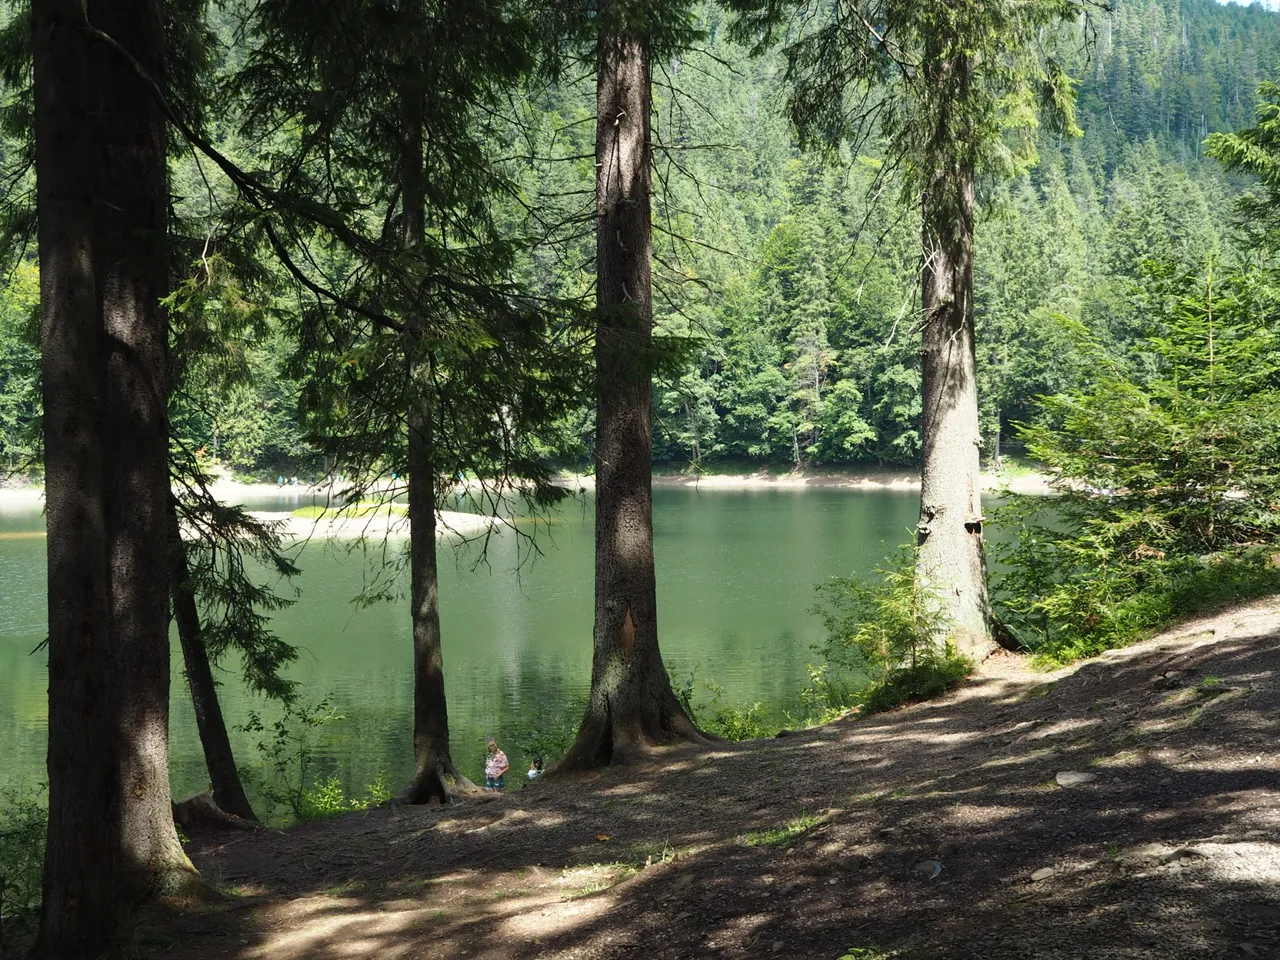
23 818
886 645
1168 500
288 779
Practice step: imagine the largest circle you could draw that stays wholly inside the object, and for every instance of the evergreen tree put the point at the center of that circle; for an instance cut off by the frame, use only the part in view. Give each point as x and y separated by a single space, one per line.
100 167
953 92
420 356
631 704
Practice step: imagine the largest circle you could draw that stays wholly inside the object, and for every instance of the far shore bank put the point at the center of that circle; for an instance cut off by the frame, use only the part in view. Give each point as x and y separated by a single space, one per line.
1022 482
231 490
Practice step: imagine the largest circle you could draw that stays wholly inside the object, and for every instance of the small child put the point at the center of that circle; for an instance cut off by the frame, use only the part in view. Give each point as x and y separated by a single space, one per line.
535 769
495 767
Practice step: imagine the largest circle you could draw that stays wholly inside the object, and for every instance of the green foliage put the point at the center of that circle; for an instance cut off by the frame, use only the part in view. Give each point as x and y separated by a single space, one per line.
1255 151
548 732
1168 496
23 819
734 722
886 644
226 543
20 402
958 86
787 269
327 799
289 780
712 715
866 953
784 835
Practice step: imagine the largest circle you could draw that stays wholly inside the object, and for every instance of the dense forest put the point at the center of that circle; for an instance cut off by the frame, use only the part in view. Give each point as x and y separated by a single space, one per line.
435 255
795 272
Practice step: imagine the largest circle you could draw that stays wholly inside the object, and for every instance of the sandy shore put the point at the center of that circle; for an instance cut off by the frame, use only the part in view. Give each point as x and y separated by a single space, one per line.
1026 483
374 526
333 525
233 491
21 498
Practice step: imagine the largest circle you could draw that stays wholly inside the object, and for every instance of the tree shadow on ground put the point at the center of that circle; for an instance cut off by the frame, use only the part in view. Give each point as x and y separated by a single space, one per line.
813 843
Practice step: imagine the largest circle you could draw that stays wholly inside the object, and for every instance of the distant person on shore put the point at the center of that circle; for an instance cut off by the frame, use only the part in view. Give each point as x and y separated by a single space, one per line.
535 769
495 768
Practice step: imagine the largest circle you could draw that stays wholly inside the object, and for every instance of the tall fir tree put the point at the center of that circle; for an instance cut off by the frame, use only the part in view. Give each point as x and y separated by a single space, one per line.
100 168
953 92
631 706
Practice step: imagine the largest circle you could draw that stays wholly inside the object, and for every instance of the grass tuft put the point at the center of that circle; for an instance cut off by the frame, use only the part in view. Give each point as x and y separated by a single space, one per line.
785 835
359 510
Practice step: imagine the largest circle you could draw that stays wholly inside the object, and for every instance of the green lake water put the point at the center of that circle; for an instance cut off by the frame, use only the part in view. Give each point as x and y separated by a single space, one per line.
736 571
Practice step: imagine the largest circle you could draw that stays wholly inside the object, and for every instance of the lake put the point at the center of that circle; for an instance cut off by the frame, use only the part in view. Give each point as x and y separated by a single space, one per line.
736 572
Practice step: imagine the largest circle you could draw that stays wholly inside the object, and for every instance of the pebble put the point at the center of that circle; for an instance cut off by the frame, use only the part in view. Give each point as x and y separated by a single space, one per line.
779 946
928 868
1072 778
947 849
1183 853
1044 873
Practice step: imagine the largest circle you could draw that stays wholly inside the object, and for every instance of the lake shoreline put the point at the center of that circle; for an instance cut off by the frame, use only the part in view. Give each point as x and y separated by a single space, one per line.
1022 483
231 490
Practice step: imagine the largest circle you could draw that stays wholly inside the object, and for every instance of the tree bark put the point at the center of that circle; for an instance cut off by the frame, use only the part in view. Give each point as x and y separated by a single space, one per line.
102 198
631 705
951 563
132 220
81 902
228 791
435 777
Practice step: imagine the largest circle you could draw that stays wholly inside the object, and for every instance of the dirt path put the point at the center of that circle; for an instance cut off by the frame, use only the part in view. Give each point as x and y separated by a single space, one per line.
1165 844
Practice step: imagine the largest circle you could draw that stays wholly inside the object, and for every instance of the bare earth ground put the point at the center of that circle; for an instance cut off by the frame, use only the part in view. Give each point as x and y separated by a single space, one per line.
1171 850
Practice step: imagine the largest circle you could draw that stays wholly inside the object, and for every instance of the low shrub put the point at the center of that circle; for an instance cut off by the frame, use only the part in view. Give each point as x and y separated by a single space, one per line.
713 716
886 645
287 778
23 819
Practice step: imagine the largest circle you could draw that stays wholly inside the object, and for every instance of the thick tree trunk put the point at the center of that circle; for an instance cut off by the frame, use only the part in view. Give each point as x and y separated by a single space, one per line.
81 903
228 791
102 205
631 706
951 563
435 777
132 217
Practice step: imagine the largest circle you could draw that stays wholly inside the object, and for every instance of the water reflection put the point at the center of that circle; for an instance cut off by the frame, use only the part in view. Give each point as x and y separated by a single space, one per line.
736 571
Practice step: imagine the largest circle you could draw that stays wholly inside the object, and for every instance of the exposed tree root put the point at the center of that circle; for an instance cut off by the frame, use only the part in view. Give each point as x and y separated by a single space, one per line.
1005 637
440 784
603 742
202 811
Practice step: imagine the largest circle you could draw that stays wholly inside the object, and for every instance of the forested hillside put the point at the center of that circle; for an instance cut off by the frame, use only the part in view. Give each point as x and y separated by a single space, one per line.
427 257
795 275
